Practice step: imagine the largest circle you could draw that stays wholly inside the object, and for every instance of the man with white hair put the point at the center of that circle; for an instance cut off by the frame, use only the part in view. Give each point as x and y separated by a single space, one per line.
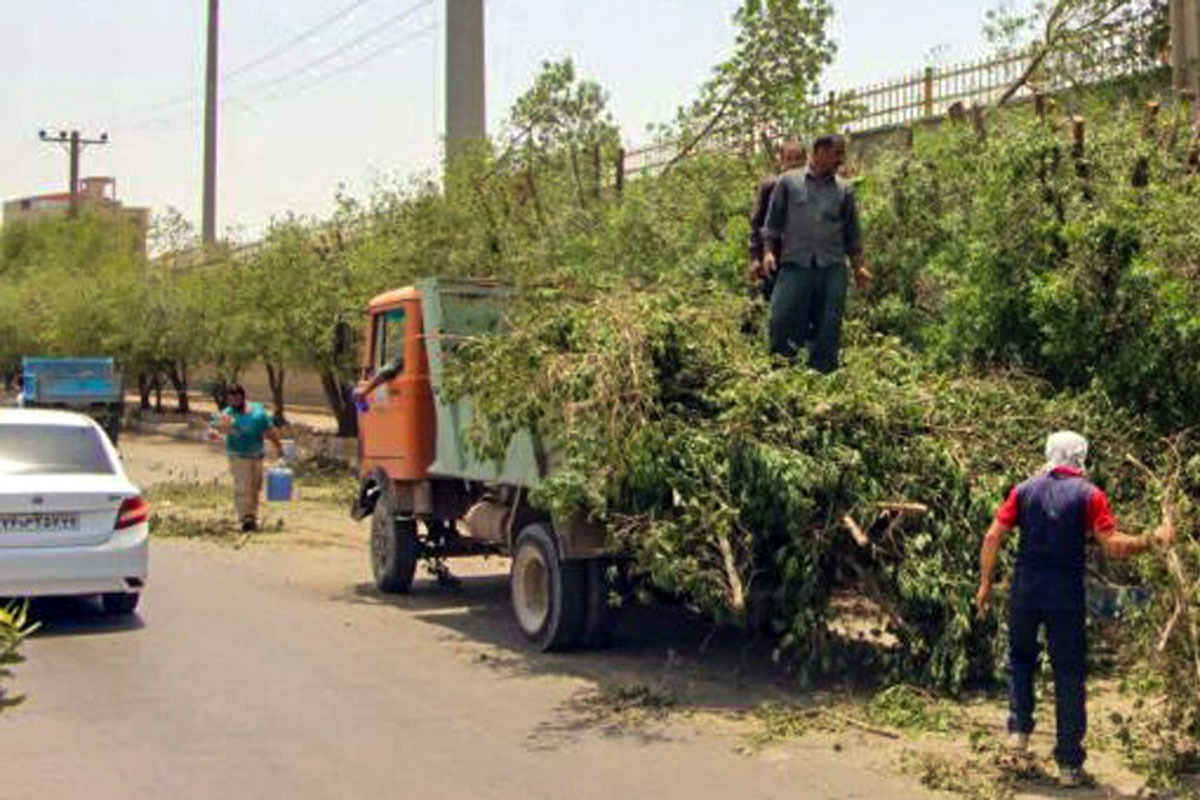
1057 511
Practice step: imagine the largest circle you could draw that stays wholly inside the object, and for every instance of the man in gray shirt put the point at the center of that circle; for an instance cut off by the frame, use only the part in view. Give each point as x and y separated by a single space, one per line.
813 222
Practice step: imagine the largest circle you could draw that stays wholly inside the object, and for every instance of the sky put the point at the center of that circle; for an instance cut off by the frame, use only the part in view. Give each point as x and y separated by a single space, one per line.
358 102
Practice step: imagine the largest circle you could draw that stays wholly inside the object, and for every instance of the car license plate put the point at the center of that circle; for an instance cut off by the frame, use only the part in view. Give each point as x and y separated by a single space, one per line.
38 523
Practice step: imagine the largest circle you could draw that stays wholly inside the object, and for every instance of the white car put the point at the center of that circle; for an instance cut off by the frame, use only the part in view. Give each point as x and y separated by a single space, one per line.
71 523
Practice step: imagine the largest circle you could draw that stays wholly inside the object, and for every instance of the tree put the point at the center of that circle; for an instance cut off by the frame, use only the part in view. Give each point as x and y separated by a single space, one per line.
284 258
771 83
57 278
1071 36
562 117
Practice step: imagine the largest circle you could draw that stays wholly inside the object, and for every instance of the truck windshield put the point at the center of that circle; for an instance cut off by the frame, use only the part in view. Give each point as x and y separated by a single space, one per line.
52 450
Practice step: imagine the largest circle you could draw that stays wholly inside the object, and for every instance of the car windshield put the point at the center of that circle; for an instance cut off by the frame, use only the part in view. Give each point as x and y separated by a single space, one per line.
52 450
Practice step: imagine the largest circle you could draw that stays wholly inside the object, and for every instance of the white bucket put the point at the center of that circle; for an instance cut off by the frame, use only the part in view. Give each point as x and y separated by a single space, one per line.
289 450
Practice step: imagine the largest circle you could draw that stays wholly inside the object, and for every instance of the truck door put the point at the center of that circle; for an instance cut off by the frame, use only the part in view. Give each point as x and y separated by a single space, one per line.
380 423
397 426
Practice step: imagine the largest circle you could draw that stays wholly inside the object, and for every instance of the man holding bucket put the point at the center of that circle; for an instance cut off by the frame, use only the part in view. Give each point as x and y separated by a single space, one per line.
245 426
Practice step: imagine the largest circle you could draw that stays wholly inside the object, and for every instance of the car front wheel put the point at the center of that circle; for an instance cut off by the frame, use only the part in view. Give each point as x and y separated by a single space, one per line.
119 604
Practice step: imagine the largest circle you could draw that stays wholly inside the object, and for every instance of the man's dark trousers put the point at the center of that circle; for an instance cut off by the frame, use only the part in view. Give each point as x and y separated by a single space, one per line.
808 302
1066 637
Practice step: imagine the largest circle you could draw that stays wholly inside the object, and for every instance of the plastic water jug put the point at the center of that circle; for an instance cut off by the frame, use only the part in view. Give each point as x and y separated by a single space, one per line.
279 484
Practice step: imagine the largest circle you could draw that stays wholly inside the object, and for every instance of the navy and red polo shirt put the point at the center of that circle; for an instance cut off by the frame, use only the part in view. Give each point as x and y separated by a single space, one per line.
1056 512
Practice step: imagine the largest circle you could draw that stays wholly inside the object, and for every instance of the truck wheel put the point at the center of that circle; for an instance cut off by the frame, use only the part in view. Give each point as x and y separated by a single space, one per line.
547 592
394 548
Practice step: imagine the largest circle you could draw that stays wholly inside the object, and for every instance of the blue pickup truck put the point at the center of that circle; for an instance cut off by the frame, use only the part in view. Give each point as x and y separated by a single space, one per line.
89 386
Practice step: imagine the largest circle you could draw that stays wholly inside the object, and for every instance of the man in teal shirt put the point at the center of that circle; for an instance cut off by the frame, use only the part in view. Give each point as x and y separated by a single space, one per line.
245 426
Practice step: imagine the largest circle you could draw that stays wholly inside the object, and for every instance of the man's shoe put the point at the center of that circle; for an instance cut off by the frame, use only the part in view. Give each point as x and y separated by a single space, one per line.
249 525
1071 777
1018 742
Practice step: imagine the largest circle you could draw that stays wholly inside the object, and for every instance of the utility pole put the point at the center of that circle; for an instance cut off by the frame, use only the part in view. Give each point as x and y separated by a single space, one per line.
209 224
75 144
466 74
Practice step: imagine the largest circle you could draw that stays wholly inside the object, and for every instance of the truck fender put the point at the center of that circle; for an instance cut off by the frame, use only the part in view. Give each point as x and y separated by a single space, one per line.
369 492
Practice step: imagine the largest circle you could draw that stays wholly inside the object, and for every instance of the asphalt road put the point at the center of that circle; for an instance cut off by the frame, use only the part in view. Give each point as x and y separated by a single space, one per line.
276 670
238 680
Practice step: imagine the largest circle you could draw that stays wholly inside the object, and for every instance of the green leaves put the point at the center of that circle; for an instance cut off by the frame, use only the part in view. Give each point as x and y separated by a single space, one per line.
770 85
14 628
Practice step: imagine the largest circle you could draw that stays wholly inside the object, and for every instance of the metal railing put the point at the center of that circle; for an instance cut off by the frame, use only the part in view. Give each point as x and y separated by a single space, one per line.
932 92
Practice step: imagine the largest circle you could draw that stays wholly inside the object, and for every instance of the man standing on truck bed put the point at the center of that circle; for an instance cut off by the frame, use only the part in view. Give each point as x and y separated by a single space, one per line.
791 156
813 221
1058 511
245 425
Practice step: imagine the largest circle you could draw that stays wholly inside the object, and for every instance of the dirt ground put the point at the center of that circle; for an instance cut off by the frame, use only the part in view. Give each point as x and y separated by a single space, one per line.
667 668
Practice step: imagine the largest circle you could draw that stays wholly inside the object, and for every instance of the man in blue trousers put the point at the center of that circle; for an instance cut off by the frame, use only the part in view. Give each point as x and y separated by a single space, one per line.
791 156
1057 510
813 223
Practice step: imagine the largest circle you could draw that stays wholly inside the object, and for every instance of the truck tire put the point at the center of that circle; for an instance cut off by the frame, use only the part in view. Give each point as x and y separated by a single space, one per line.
548 596
394 549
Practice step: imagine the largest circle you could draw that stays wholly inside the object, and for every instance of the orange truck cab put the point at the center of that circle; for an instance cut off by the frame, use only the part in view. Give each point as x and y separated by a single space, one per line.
431 498
396 420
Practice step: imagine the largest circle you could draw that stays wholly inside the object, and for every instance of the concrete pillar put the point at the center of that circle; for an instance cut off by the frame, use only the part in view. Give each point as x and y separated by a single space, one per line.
1185 45
466 75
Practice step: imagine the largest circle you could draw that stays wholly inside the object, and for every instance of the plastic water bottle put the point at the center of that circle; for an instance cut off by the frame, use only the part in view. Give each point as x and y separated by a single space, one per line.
279 484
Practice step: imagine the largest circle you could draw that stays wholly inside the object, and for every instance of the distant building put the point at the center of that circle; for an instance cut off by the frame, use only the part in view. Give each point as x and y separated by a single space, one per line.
94 193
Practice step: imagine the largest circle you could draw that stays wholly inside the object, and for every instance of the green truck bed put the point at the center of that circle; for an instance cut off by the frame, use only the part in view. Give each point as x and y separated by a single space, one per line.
454 310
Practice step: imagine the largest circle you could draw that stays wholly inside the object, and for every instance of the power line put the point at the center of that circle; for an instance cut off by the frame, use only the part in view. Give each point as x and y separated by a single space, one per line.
341 50
243 103
368 57
266 57
299 38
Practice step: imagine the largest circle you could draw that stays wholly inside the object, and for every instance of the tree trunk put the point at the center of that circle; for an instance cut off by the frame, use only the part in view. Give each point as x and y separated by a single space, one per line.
531 187
578 178
177 372
337 394
157 383
275 377
143 391
598 171
220 393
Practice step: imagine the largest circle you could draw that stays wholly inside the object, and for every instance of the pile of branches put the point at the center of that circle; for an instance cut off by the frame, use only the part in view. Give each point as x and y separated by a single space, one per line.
733 479
1025 285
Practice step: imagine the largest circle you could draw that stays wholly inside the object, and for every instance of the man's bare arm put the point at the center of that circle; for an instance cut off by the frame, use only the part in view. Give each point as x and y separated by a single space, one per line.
1122 545
988 557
